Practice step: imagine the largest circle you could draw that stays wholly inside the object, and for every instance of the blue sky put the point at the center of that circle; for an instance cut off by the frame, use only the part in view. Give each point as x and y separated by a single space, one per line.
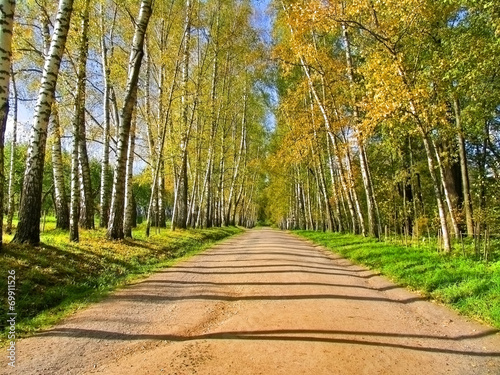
262 18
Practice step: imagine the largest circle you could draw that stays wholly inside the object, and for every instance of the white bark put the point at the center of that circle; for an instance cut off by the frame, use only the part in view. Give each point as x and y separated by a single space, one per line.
115 226
28 230
7 8
129 206
13 146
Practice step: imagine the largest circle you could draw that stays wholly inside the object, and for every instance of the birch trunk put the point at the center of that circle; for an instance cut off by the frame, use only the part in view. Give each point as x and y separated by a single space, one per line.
373 226
437 192
13 146
447 197
337 196
323 191
75 188
214 122
238 163
61 202
430 162
345 185
28 230
86 202
105 168
115 226
326 119
182 197
7 8
129 204
352 189
467 206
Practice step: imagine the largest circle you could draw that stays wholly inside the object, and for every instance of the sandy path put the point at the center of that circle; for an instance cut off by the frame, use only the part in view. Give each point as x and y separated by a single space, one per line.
263 302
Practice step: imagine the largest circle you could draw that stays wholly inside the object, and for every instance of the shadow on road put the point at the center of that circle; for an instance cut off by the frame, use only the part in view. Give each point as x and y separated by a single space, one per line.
354 338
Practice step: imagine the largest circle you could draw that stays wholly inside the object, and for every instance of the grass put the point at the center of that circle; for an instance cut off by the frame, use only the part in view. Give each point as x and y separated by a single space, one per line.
469 286
59 277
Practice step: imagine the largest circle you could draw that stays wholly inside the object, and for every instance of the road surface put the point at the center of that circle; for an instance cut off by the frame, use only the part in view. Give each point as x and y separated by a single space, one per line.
263 302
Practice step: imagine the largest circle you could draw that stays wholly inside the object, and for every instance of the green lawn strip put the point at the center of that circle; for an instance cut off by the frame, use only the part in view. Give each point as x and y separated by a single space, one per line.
471 287
59 277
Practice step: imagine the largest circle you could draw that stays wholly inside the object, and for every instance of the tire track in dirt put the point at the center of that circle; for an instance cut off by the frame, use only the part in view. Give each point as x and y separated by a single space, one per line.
263 302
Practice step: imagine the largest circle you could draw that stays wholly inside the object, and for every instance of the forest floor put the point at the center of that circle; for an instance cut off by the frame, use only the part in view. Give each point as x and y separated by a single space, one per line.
263 302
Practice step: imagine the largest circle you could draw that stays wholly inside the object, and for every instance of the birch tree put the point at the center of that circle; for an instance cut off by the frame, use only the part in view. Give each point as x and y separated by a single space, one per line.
115 225
7 8
28 230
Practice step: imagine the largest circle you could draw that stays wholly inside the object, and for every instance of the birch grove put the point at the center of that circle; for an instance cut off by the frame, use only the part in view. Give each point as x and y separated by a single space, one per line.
346 116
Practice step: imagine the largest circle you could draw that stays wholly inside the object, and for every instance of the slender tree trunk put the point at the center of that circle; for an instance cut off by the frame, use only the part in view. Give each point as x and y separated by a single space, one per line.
236 170
182 198
221 186
105 188
13 147
86 202
7 9
480 224
115 226
464 170
348 189
159 166
74 213
446 192
323 191
60 200
162 219
437 192
352 188
308 198
129 204
28 230
337 196
430 162
370 198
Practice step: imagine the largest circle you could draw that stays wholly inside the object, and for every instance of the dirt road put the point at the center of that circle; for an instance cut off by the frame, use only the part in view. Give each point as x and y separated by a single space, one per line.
263 302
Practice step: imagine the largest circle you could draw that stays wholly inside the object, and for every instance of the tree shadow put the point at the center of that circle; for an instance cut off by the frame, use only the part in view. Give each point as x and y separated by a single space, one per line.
191 270
249 283
154 298
298 335
302 266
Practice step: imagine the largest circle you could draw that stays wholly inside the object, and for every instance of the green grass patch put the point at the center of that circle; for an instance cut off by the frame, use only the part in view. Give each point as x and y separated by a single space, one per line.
59 277
471 287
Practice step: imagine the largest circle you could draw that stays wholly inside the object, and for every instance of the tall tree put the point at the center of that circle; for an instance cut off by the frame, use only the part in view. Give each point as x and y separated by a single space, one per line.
105 189
181 204
28 230
115 225
13 147
61 202
87 201
7 8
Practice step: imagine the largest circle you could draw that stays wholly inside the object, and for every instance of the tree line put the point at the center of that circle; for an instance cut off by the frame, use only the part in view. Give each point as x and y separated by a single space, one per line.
388 118
171 86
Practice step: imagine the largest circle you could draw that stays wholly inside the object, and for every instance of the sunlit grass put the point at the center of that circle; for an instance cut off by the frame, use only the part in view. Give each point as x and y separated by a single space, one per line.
471 287
59 277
